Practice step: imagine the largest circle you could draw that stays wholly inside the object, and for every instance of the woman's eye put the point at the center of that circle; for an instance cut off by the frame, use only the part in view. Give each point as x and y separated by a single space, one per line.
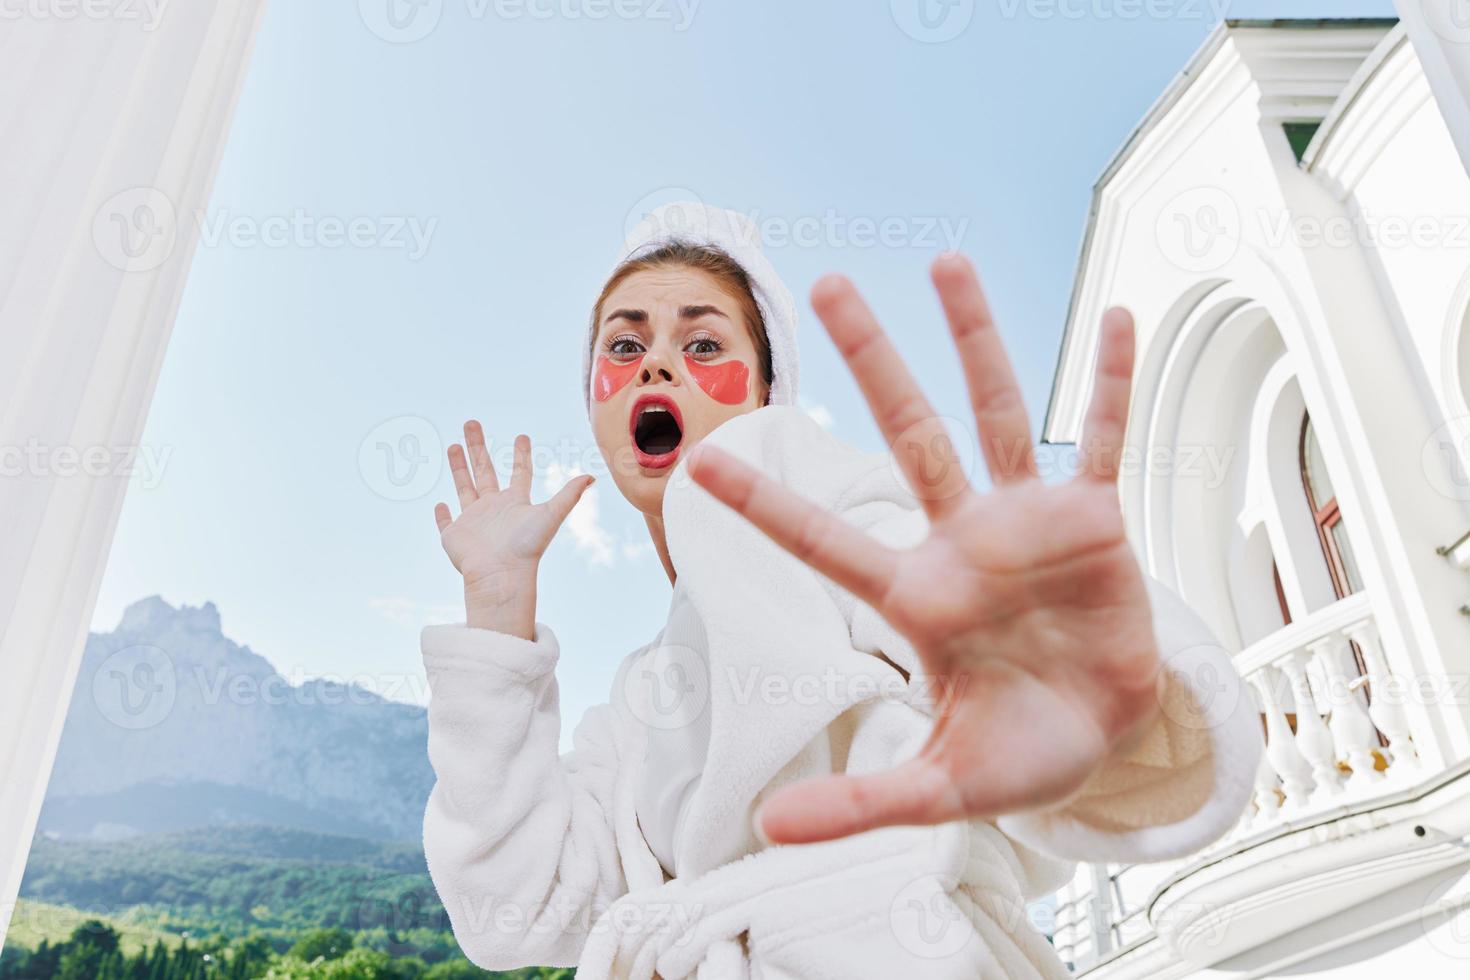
623 346
704 346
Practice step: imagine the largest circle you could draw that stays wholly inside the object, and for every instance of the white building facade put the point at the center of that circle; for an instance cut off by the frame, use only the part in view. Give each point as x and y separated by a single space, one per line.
1290 226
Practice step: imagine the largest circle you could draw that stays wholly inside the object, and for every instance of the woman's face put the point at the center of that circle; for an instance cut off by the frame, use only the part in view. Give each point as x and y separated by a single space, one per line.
673 358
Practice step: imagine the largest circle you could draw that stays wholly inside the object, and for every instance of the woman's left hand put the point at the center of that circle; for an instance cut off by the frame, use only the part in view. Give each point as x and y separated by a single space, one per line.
1025 604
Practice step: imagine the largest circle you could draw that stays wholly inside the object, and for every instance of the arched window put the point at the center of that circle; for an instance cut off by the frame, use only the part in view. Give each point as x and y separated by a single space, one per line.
1322 500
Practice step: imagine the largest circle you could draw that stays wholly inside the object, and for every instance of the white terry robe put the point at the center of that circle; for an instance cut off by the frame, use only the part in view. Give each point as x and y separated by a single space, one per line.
539 859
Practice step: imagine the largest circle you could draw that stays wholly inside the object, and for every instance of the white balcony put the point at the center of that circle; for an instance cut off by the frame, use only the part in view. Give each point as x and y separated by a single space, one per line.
1338 790
1336 731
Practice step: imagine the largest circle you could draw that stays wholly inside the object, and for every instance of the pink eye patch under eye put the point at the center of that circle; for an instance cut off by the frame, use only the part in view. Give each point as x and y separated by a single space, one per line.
727 383
610 377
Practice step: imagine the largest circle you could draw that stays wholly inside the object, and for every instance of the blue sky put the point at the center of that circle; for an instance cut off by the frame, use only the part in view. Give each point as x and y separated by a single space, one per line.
485 173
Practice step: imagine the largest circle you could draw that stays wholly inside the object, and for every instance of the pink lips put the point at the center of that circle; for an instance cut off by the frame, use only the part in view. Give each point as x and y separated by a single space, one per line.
648 459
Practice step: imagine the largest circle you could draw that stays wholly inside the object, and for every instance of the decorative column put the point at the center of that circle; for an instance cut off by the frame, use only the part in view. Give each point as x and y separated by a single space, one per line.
1100 910
1312 736
111 130
1386 710
1353 735
1281 746
1268 807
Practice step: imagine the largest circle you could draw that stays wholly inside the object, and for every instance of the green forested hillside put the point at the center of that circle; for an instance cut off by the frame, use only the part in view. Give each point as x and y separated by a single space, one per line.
242 878
245 897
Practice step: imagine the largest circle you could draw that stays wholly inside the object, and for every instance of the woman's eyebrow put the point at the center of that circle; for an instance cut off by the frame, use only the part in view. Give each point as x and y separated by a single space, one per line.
695 312
632 316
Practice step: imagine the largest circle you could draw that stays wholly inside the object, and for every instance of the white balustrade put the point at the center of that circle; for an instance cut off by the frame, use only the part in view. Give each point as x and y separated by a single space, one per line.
1342 745
1335 735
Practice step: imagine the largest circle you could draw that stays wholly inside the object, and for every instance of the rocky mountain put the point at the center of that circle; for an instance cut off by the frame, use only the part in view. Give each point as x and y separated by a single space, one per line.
172 725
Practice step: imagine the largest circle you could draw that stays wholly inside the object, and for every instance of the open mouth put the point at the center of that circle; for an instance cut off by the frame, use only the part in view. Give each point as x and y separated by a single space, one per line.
657 430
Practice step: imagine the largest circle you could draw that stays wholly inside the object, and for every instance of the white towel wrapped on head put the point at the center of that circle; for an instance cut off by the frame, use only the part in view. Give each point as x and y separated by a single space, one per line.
739 237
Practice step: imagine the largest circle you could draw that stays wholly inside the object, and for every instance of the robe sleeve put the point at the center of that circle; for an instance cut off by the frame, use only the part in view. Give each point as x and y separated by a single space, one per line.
519 840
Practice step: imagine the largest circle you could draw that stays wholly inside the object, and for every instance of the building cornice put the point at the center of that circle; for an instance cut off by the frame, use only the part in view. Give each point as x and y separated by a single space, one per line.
1297 76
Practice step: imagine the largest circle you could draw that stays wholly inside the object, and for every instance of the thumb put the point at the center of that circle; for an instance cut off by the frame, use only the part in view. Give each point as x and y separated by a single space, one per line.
566 498
828 807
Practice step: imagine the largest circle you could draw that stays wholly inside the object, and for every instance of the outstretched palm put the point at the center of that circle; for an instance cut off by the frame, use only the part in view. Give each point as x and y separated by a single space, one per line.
1025 604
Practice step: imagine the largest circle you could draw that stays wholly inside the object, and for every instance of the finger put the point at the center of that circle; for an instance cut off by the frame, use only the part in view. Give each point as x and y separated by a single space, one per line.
481 466
520 473
827 543
566 498
915 434
441 516
828 807
463 485
995 397
1107 414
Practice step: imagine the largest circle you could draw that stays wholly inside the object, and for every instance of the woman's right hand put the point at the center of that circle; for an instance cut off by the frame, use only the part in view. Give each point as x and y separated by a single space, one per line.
498 539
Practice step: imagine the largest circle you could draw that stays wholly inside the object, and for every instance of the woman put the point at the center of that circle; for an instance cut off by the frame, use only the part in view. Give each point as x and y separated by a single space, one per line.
1048 702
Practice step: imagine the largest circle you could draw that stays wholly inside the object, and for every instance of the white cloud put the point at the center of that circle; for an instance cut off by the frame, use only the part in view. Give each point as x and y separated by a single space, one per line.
410 612
583 523
820 413
635 550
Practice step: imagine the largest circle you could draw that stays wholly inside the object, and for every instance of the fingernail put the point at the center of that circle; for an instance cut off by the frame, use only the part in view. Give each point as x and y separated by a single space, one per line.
759 831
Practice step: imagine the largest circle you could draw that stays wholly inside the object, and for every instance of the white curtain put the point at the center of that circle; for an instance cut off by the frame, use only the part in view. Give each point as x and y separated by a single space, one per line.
113 117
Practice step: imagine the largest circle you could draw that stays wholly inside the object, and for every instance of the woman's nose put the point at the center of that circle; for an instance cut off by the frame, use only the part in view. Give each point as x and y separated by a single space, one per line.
654 368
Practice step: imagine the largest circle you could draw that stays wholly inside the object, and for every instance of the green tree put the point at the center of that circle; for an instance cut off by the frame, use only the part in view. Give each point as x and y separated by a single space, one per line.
326 943
79 961
95 933
357 964
249 958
